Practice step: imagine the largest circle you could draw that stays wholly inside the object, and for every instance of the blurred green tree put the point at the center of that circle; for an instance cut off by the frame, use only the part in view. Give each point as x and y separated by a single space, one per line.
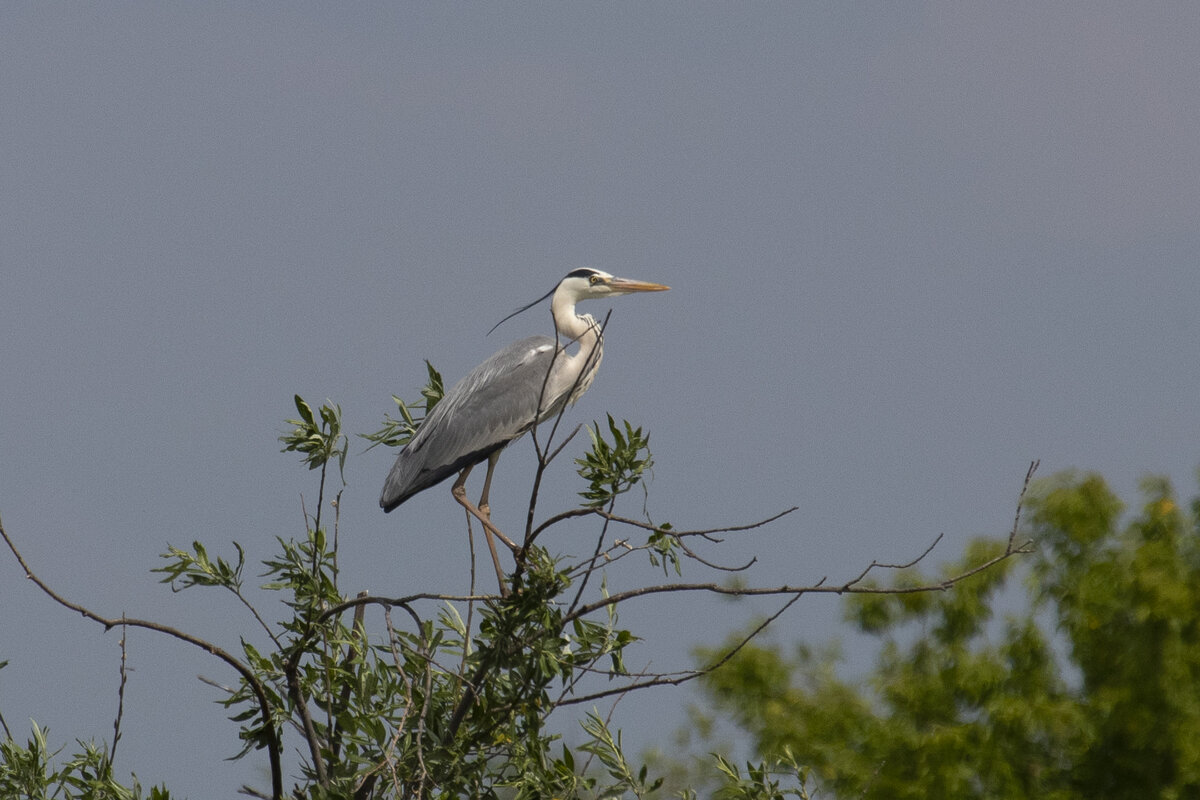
1088 688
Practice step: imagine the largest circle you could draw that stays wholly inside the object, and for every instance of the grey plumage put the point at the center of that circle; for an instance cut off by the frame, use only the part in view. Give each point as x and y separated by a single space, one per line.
493 405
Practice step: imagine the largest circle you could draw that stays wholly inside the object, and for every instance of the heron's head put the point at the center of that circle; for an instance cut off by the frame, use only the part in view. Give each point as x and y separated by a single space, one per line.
586 283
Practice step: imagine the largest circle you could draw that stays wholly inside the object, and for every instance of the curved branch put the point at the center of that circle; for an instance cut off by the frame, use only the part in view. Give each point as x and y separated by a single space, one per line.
364 599
649 526
705 532
273 748
678 678
851 586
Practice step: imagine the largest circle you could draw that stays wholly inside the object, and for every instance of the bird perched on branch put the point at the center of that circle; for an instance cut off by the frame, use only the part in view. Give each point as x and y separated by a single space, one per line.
505 396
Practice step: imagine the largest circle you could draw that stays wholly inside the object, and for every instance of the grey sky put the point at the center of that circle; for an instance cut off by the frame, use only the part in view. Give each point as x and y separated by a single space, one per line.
911 248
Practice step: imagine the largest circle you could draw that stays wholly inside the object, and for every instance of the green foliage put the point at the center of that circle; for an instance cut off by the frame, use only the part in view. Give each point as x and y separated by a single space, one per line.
1128 601
396 432
429 696
29 771
197 569
761 781
1091 689
611 469
436 707
319 442
607 748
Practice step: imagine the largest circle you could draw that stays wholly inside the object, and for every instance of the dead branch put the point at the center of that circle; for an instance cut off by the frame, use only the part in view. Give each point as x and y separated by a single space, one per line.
850 587
260 694
650 526
112 754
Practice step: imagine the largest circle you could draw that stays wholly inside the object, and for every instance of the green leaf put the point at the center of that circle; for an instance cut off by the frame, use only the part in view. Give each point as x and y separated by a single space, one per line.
397 432
613 468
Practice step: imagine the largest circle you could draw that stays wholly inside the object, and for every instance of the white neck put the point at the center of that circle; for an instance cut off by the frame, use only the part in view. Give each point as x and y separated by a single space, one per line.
574 373
571 326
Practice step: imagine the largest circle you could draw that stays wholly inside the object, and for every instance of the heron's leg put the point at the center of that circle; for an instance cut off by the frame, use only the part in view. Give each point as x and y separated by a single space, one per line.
460 494
459 491
487 485
462 481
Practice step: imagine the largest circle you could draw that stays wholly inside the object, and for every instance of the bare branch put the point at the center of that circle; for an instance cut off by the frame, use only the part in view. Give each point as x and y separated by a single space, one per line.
587 574
269 730
564 515
850 587
710 564
881 565
665 679
650 526
364 599
678 678
357 644
1033 465
745 640
308 729
112 755
564 443
623 548
704 532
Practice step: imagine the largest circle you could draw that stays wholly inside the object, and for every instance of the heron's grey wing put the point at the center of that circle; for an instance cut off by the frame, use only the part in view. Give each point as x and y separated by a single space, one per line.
495 403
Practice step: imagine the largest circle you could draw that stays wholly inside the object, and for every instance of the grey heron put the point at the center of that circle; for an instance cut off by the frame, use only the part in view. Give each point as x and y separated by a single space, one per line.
505 396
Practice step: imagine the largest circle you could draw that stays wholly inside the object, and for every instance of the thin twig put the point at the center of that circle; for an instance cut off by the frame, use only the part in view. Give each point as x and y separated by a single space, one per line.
850 587
650 526
1033 465
112 755
564 442
745 640
337 523
358 643
309 730
258 617
857 579
588 573
679 678
711 564
388 759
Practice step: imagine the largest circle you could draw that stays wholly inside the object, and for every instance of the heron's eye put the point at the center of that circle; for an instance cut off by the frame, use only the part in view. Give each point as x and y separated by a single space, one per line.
595 279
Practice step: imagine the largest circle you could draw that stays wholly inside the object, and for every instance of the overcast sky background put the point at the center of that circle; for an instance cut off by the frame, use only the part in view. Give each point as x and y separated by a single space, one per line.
911 248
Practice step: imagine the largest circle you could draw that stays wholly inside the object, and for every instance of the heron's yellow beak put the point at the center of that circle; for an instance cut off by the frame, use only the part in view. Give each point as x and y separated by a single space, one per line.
626 285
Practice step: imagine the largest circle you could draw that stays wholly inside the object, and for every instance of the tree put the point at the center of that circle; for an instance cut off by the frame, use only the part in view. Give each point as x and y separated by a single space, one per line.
1090 689
430 694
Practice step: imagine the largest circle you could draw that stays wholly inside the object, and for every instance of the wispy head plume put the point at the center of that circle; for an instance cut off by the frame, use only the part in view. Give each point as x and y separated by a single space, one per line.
519 310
